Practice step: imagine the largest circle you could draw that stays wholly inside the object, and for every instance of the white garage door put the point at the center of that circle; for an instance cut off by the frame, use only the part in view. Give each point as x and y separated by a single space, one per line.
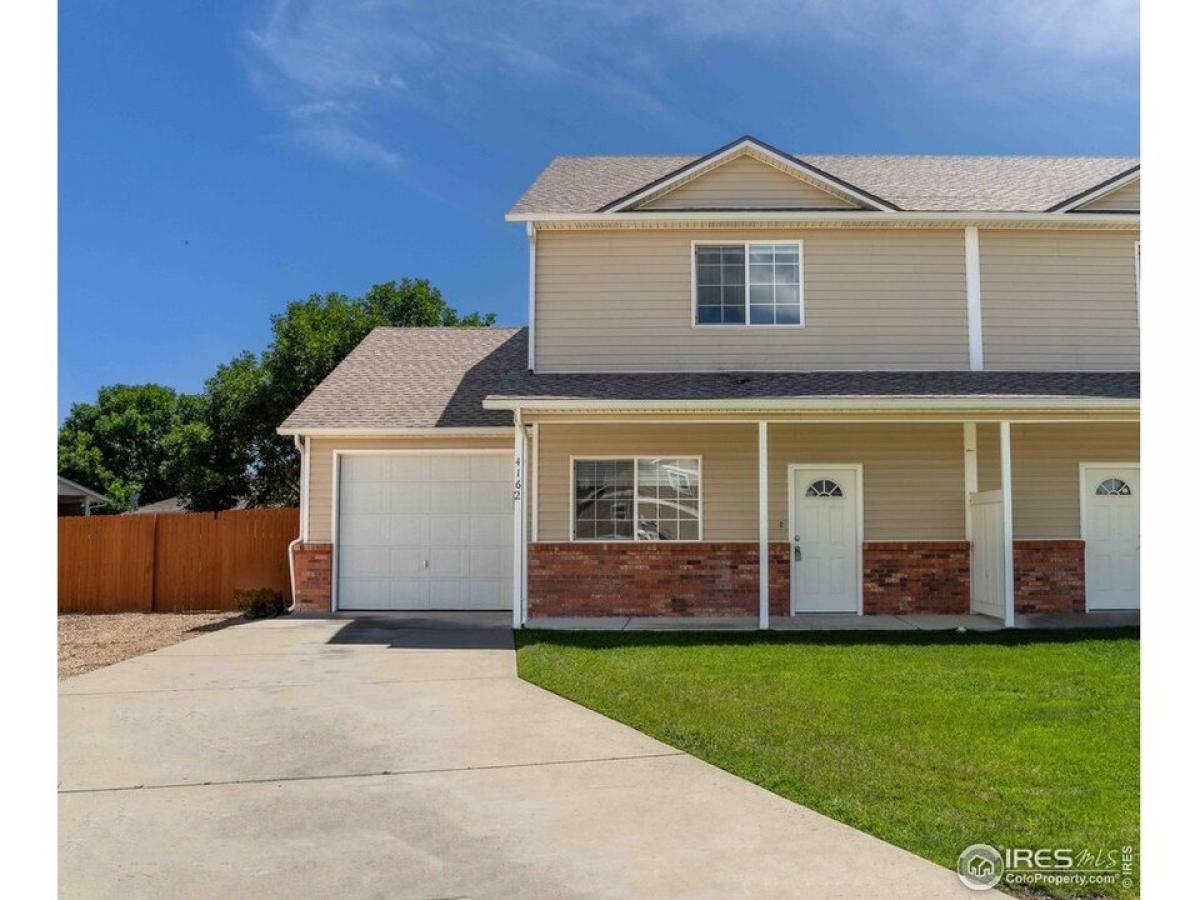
425 531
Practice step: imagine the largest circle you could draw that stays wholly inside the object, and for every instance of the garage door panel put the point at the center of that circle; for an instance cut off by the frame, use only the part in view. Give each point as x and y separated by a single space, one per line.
364 497
367 562
449 469
489 531
451 531
492 593
493 502
425 531
485 561
404 530
490 468
362 531
403 497
406 468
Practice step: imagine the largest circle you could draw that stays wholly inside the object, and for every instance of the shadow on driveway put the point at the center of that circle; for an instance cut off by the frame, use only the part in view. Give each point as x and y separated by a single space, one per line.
429 631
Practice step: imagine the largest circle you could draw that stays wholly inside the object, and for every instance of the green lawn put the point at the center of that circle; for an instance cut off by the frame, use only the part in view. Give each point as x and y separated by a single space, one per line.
932 741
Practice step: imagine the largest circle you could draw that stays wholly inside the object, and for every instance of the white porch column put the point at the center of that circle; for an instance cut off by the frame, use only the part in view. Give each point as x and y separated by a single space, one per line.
970 471
519 518
1006 507
764 562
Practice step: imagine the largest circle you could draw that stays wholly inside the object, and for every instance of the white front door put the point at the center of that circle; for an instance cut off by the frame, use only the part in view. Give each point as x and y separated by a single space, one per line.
1110 496
826 559
424 531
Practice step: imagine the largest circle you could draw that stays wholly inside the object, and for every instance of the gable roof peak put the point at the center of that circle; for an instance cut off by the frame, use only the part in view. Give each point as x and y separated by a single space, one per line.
785 161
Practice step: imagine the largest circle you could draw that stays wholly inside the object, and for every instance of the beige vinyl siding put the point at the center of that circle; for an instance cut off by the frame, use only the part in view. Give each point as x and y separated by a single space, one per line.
913 475
1045 470
320 467
746 183
621 300
1123 199
1059 300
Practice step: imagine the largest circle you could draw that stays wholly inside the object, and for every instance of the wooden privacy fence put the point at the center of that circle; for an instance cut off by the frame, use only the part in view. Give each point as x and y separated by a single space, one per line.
172 563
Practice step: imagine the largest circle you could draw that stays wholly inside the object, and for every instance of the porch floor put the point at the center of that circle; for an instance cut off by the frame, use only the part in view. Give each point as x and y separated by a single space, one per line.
838 622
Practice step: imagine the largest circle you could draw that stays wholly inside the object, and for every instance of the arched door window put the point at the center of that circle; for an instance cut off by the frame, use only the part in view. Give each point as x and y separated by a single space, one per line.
824 487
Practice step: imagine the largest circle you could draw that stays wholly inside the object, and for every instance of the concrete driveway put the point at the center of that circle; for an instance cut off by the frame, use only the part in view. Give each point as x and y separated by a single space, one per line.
402 757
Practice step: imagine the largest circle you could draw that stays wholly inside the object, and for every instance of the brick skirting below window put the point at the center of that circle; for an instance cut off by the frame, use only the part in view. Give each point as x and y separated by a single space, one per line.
314 578
1048 576
652 579
916 577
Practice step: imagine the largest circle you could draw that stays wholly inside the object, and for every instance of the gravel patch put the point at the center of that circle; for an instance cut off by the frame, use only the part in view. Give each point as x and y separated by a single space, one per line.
90 642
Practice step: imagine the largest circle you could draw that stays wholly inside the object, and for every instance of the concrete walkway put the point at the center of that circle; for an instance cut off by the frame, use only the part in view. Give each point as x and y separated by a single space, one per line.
840 622
402 757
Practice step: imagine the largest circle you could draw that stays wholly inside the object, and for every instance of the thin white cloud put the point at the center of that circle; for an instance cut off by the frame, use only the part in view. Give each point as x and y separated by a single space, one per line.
358 60
344 145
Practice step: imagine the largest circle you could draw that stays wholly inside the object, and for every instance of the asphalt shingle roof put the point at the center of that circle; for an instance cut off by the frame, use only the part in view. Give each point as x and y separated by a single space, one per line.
799 385
416 378
584 184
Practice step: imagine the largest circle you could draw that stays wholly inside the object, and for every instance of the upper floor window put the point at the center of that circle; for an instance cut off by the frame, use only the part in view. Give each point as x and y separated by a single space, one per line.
748 283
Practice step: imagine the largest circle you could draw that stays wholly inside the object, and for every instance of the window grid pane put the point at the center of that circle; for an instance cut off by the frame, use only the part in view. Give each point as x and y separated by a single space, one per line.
668 492
665 506
604 499
756 284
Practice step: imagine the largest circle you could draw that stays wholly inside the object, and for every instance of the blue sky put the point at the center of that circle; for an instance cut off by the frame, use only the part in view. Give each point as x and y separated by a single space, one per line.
218 160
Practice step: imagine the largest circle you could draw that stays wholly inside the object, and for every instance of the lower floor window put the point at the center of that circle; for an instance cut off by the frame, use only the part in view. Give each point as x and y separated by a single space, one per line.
637 499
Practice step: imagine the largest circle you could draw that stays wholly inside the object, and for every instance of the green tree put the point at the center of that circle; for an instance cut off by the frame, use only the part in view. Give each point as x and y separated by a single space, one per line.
117 444
236 454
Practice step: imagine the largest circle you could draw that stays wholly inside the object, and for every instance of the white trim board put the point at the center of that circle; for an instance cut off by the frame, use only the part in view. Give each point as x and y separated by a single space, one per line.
792 469
874 403
478 431
1102 190
974 299
836 218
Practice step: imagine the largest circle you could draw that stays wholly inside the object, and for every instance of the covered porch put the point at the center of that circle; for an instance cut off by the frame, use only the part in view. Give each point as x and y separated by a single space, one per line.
891 513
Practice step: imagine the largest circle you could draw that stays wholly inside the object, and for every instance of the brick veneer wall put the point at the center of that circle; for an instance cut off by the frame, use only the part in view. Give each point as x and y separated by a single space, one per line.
1048 576
652 579
314 577
916 577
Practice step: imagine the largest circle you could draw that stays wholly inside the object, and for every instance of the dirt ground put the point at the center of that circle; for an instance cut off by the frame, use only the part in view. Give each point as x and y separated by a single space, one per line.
89 642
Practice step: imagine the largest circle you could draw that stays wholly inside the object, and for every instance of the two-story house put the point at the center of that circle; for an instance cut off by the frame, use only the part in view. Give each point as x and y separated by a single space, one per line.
757 384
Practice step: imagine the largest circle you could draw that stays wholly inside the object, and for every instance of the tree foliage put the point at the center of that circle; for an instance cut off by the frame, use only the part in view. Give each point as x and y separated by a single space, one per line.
219 448
118 445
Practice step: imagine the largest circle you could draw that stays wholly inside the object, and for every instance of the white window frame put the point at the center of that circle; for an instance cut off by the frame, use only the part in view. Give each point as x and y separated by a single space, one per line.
635 459
797 243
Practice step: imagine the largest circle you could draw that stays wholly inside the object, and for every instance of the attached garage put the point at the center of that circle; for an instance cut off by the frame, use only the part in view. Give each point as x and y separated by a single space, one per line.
423 530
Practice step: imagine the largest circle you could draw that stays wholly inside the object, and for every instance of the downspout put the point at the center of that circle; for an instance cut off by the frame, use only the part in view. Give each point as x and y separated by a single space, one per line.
301 447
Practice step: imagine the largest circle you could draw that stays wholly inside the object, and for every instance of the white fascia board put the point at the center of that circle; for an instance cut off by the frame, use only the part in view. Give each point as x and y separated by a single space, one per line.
83 491
1101 191
837 217
704 164
880 403
482 431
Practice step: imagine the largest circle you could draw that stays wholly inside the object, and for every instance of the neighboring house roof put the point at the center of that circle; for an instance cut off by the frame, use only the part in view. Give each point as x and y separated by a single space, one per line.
159 507
787 385
588 184
169 506
69 489
415 378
